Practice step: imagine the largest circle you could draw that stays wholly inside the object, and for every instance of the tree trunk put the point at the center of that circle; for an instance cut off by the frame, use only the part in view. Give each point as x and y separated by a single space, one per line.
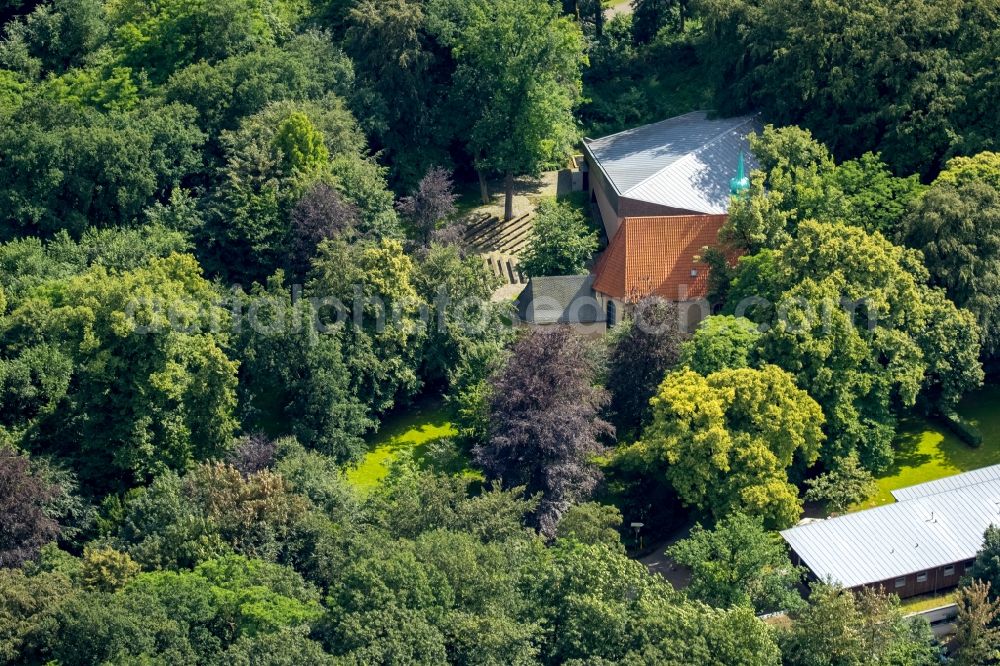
484 188
599 21
508 207
682 10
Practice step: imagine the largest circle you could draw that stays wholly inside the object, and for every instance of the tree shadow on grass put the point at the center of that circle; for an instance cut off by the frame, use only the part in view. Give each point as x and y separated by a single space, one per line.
908 442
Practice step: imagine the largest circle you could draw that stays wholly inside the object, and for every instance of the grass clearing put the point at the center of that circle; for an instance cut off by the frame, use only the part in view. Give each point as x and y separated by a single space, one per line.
928 450
926 602
415 431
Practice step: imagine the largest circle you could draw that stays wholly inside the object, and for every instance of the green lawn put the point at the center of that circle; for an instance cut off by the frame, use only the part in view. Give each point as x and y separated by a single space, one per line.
414 431
928 450
927 601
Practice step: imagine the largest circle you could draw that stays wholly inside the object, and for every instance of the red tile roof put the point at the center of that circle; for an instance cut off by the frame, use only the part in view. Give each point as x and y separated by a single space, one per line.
657 255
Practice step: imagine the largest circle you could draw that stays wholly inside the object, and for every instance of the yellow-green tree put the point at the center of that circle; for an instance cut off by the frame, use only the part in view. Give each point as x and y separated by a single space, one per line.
725 441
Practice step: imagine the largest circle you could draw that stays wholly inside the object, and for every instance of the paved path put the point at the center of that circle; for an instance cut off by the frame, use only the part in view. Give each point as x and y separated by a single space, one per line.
658 562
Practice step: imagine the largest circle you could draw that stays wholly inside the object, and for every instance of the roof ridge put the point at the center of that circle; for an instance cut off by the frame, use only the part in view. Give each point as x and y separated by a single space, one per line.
747 120
658 122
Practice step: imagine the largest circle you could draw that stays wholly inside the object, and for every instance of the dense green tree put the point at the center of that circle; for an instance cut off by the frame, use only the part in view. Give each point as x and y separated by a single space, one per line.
882 75
591 523
368 288
986 566
870 196
842 627
402 78
561 242
977 638
739 563
188 615
272 160
469 390
295 374
956 225
516 82
307 67
286 647
54 36
70 168
799 180
414 501
848 483
755 423
301 145
463 320
29 606
162 37
721 342
141 379
852 317
213 510
610 610
642 348
651 16
545 426
28 262
107 569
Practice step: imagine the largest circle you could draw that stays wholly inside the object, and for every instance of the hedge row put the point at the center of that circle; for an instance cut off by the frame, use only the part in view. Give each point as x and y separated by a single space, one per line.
965 431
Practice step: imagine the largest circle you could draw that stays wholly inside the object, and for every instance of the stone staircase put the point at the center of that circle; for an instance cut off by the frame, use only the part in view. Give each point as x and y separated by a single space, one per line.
500 243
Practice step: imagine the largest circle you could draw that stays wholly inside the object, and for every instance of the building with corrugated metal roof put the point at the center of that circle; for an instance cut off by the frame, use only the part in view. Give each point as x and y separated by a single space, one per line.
922 543
682 166
962 480
663 192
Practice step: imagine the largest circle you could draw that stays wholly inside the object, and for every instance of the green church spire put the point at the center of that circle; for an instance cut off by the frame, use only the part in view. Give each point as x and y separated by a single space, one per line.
741 184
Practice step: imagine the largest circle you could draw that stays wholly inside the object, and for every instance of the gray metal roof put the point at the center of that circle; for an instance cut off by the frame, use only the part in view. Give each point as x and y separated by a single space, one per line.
684 162
990 473
561 299
899 539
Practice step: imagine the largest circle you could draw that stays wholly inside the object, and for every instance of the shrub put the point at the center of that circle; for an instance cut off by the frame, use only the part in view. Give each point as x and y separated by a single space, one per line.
964 430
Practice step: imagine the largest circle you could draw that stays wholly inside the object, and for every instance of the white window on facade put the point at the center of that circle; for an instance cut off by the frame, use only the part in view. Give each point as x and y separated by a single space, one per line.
900 582
922 577
949 570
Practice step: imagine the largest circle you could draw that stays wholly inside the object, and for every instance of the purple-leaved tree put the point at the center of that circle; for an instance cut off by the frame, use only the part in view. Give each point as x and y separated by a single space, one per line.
545 425
320 214
24 525
431 202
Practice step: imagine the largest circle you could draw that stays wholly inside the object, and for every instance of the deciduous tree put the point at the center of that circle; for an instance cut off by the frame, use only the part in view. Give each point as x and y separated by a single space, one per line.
956 225
545 426
517 81
25 525
643 347
561 243
739 563
841 627
145 383
852 317
977 638
843 486
725 441
721 342
432 202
